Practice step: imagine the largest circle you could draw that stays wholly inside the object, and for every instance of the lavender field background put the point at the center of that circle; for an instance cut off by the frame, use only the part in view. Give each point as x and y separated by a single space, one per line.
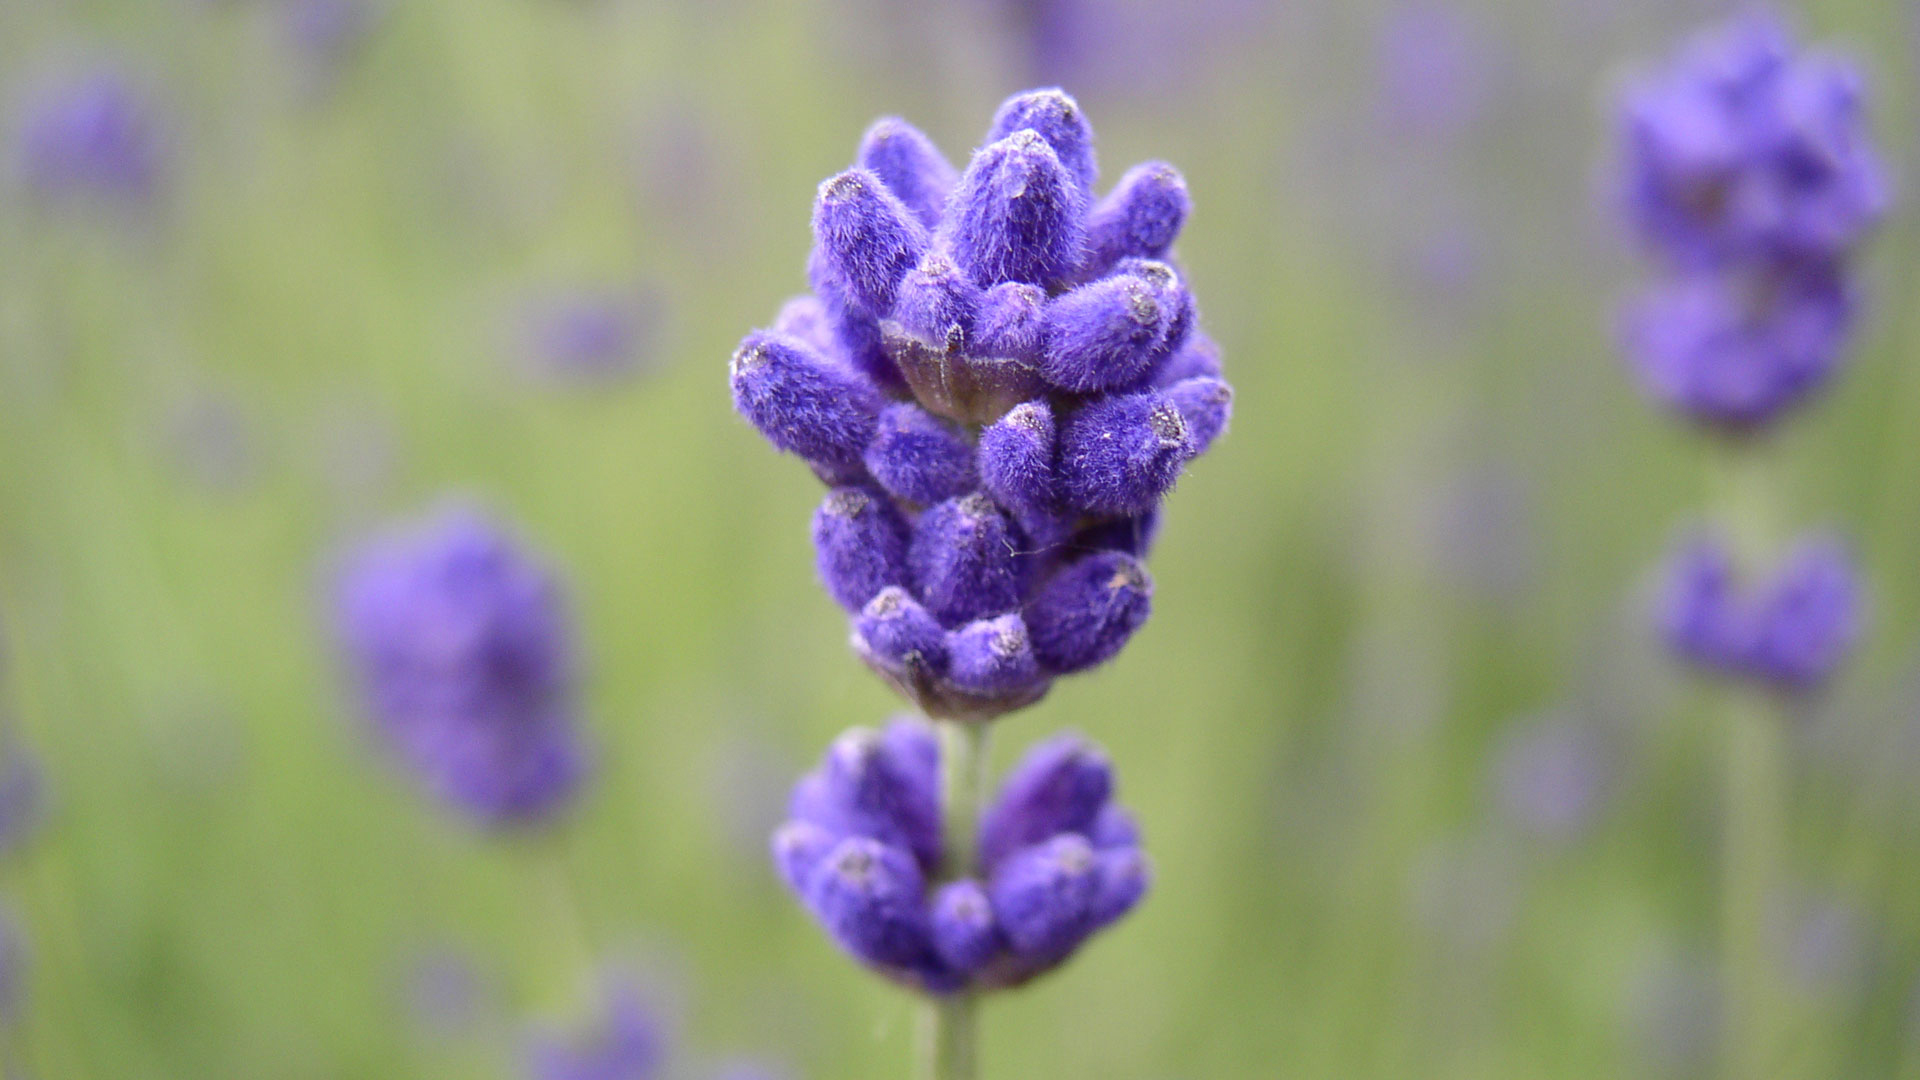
1422 794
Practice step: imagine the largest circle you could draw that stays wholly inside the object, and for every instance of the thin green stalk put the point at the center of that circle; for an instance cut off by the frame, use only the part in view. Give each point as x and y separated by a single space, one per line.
1755 1030
949 1027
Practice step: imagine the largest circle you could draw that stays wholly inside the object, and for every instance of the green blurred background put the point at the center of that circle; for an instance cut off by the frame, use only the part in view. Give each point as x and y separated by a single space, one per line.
1411 576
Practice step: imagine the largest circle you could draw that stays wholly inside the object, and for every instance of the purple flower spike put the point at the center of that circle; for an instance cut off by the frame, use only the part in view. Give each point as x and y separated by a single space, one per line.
993 658
1018 214
919 457
1105 335
1056 118
1206 405
868 238
1119 455
867 786
1807 622
1141 216
1061 786
1735 352
910 165
804 403
1088 611
964 934
1791 634
460 646
92 137
1746 148
966 560
871 899
1067 862
898 638
1044 897
861 544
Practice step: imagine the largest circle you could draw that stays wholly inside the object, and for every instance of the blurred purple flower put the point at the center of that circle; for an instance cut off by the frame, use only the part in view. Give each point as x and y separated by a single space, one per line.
587 337
625 1041
460 645
91 136
22 795
1551 777
1791 630
1434 69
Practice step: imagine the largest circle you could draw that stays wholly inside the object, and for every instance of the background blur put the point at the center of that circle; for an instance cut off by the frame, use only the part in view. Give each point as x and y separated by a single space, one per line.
1423 798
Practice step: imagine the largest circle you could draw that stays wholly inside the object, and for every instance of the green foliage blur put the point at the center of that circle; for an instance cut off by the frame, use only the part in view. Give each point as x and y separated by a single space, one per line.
1428 534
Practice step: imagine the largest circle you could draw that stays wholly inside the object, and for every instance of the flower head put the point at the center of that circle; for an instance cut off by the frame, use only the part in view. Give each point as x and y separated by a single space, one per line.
1057 860
94 136
1000 375
461 648
1789 631
626 1041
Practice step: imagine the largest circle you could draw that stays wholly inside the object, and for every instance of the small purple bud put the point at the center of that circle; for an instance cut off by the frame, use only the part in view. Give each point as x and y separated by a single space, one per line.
897 636
1060 786
1119 455
1206 405
857 340
867 788
964 935
1011 321
1141 216
860 544
1104 335
910 165
1114 828
1698 616
806 318
1058 119
1807 621
919 457
937 303
966 559
1017 214
1125 876
1016 459
798 847
1044 897
868 239
1199 357
803 402
626 1042
869 896
1085 614
992 657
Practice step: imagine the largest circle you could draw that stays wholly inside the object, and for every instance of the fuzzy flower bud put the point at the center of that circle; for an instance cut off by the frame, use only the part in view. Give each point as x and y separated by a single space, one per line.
1018 214
804 403
911 167
861 545
1790 631
1119 455
1088 611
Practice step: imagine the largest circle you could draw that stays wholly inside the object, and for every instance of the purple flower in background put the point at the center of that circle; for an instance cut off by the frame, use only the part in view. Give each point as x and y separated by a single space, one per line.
1434 68
1745 147
91 136
460 645
1790 631
587 337
325 31
1057 860
626 1041
22 795
1551 778
999 375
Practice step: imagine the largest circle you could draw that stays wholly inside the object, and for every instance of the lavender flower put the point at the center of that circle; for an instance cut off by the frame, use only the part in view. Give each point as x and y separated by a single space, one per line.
1747 170
625 1042
1552 778
461 648
1789 631
91 136
22 795
1058 860
1001 376
586 337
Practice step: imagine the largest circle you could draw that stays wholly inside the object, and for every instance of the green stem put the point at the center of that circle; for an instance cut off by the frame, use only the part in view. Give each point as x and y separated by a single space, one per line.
949 1029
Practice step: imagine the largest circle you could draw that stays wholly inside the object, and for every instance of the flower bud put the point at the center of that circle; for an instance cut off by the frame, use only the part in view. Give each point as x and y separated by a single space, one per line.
1141 216
869 896
1017 214
1016 459
1104 335
1088 610
1206 405
898 637
804 403
919 457
964 935
937 303
1010 321
1808 619
866 788
860 544
1058 119
1119 455
992 657
806 318
1124 878
910 165
867 238
966 560
1044 897
1198 356
798 847
1061 786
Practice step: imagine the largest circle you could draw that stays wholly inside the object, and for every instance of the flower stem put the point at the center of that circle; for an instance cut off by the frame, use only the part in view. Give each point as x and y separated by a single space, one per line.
949 1029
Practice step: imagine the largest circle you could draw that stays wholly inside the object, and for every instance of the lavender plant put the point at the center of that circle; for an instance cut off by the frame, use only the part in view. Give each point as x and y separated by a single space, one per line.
1750 178
998 375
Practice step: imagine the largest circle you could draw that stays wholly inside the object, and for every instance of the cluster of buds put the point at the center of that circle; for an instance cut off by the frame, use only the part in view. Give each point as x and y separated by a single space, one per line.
1055 860
999 377
1750 176
460 645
